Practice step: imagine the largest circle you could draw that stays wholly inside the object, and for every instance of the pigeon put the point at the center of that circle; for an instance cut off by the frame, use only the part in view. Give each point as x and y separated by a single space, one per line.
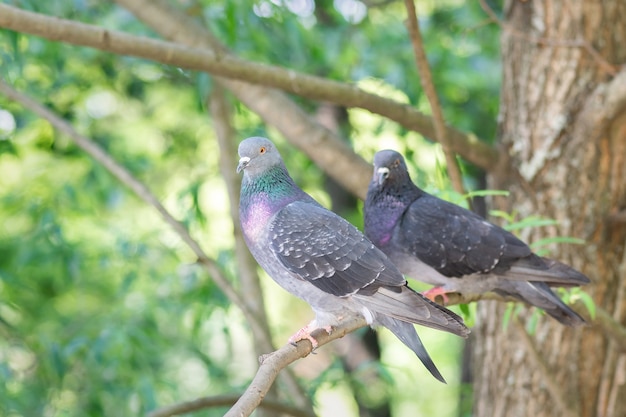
440 243
324 260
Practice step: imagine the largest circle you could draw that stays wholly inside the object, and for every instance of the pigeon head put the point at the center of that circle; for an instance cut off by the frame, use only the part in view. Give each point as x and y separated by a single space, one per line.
390 192
390 169
257 155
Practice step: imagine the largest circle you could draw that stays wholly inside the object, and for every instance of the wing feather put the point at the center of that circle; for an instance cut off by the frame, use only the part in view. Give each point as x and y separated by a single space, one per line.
455 241
320 247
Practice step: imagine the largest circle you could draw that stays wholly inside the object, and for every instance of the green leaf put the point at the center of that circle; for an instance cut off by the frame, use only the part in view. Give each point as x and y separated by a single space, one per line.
531 323
56 360
508 313
580 294
469 314
556 239
485 193
464 309
6 146
509 217
204 87
532 221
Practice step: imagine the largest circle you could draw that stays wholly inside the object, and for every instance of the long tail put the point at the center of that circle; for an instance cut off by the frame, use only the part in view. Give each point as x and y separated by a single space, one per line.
407 334
540 295
550 271
404 304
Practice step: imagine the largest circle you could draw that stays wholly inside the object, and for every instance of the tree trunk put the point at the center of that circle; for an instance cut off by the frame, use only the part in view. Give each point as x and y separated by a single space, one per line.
563 129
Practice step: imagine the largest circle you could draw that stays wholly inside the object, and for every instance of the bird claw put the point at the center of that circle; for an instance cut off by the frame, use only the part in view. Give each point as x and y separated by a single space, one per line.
432 294
305 333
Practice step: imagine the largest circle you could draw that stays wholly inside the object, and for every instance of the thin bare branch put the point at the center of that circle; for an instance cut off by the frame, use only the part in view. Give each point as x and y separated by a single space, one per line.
273 363
326 149
126 178
258 324
246 265
225 401
220 63
428 85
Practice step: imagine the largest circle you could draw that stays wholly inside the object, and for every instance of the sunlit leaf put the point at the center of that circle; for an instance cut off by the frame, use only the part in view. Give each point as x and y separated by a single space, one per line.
531 221
556 239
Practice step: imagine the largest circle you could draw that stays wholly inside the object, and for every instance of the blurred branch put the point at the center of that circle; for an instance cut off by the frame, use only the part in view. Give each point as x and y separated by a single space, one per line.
246 265
126 178
158 14
562 43
205 54
428 85
223 401
327 150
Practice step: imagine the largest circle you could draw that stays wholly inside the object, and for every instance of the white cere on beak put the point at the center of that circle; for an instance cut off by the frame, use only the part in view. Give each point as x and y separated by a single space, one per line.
381 174
243 163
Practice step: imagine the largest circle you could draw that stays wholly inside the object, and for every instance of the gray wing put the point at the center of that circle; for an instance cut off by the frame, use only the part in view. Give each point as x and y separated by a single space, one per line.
320 247
457 242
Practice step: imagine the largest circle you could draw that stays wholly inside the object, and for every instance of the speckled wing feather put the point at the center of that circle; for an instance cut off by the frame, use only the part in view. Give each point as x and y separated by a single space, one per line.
324 249
457 242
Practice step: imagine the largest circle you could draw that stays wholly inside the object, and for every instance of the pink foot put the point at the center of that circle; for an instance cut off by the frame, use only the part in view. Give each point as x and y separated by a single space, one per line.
305 333
434 292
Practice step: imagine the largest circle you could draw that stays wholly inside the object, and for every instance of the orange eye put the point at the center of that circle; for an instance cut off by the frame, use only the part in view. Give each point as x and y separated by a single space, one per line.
262 150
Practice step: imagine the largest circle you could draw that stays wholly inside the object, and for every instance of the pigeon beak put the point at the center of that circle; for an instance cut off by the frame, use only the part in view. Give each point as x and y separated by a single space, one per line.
243 163
382 174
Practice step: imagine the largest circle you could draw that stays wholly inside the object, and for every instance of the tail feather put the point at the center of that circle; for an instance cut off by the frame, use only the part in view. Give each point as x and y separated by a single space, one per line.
553 273
540 295
407 334
404 304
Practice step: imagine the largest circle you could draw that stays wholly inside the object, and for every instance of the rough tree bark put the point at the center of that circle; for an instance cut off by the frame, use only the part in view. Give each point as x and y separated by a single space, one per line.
563 127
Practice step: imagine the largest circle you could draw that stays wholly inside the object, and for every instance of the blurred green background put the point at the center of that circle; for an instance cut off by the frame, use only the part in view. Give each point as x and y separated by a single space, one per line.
103 309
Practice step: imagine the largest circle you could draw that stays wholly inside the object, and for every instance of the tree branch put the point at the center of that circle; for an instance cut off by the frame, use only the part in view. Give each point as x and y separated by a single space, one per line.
223 401
259 326
224 64
603 320
246 265
426 80
326 149
126 178
274 362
